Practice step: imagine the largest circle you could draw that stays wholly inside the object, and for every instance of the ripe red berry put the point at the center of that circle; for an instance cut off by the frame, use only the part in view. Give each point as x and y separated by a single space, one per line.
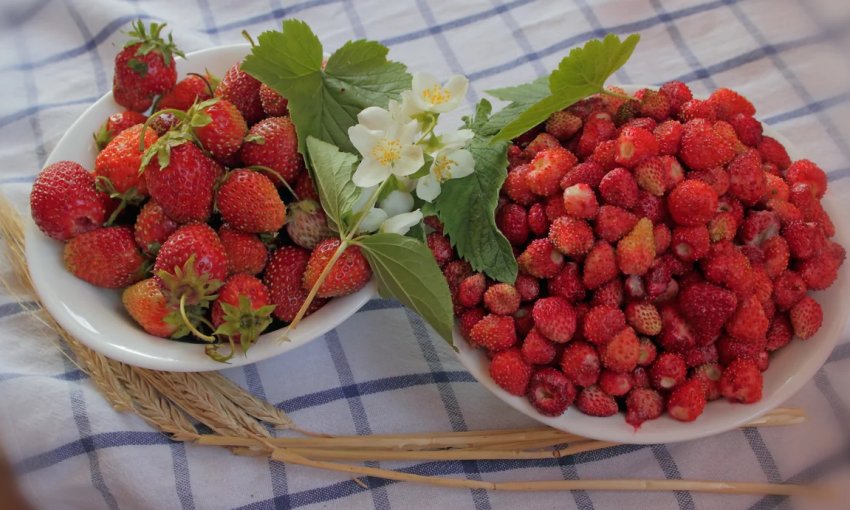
547 169
550 392
516 186
246 253
613 222
677 92
804 171
248 201
667 371
350 272
703 148
512 221
636 251
635 145
541 259
563 125
619 188
774 152
729 103
692 203
686 401
647 352
595 402
572 237
469 319
510 371
747 128
788 288
567 283
806 318
494 332
707 306
580 201
600 265
644 317
616 384
602 322
537 349
538 223
588 172
441 248
471 290
554 318
527 286
691 243
742 381
748 323
643 404
105 257
502 299
580 363
65 203
621 353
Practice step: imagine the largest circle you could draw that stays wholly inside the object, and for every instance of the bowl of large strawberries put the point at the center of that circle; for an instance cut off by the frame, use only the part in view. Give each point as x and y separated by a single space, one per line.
187 219
680 269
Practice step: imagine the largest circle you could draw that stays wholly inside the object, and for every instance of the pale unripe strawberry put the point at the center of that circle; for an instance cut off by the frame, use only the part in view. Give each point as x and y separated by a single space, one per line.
307 225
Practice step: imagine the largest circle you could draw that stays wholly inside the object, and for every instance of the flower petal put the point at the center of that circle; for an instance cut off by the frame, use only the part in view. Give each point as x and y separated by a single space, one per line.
376 118
457 85
401 223
428 188
369 173
456 139
397 202
410 161
363 138
464 164
373 220
365 195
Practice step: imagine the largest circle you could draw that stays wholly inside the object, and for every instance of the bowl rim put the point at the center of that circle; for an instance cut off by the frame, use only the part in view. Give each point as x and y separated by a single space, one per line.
666 429
185 358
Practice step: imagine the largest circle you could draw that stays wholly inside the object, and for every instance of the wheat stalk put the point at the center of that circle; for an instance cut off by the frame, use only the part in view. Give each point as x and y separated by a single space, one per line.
250 404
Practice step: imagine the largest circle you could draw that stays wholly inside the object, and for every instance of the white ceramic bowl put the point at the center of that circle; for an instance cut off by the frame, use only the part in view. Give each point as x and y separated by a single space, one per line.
790 368
96 317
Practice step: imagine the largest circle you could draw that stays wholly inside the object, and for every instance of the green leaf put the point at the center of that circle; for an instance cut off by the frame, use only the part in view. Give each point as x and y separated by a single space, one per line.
324 103
332 170
521 97
406 270
467 206
580 74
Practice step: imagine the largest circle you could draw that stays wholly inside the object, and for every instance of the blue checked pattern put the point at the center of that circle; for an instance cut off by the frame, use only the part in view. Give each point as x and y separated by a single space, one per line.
384 370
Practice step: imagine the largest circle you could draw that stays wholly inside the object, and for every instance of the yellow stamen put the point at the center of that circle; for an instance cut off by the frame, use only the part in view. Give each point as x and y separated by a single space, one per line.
387 151
443 168
436 95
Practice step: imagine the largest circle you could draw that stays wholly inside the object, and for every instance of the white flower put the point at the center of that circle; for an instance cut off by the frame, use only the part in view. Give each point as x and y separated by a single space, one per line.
448 164
397 202
387 146
373 220
363 198
430 96
401 223
456 139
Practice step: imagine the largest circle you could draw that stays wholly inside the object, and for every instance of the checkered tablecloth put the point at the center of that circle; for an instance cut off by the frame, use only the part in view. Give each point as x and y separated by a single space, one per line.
384 371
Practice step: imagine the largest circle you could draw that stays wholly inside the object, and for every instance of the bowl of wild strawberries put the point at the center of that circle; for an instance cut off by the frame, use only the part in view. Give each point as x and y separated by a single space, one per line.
216 242
680 270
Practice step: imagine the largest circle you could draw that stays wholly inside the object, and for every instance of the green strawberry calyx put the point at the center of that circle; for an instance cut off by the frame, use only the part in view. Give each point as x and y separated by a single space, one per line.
151 40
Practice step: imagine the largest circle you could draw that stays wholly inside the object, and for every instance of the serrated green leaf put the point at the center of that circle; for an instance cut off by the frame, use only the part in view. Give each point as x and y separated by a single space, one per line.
580 74
521 97
406 270
332 170
467 206
325 103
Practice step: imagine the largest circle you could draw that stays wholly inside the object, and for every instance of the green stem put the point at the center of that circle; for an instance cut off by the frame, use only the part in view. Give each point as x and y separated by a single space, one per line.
276 174
345 241
116 212
189 324
615 94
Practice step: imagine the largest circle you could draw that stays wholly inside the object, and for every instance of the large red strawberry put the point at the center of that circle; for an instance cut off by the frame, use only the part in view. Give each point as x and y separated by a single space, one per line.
183 186
145 67
273 103
242 310
307 224
116 123
284 275
350 272
116 168
219 127
191 265
188 91
243 90
272 143
148 306
64 202
248 201
246 253
106 257
152 227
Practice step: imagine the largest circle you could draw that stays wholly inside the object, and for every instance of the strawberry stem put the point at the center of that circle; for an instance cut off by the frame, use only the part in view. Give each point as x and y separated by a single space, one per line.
616 94
345 242
262 168
189 324
209 85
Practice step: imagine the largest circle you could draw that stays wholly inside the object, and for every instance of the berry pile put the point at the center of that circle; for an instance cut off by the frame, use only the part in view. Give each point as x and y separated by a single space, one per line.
666 247
203 211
